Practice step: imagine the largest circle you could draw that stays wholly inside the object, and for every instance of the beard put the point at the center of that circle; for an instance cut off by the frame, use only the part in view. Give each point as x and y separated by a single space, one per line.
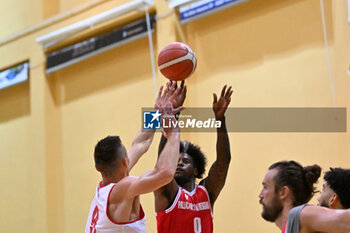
181 179
324 204
271 213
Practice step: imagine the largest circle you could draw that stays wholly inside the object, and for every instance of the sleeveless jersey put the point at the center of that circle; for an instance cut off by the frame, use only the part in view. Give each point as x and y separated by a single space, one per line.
99 221
293 221
190 213
284 228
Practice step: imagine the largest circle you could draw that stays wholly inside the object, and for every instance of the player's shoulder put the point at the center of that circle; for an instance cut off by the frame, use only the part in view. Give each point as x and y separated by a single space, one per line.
120 188
201 188
311 216
310 211
123 184
126 181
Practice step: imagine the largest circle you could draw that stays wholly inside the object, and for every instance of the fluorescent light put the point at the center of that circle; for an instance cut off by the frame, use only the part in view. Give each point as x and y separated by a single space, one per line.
349 11
66 32
175 3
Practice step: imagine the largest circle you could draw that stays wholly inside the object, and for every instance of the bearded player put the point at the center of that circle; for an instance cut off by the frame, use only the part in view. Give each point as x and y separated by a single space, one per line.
182 206
287 187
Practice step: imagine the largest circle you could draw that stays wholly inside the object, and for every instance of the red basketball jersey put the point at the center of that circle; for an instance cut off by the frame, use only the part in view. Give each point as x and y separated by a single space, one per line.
190 213
284 228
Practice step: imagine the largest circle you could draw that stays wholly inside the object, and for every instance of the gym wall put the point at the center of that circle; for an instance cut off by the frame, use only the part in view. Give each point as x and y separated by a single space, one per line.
271 52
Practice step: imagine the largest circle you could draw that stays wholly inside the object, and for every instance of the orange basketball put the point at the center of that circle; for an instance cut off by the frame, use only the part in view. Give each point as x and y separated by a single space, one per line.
177 61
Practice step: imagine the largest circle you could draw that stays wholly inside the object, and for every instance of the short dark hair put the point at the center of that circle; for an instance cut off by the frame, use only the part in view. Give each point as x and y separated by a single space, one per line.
338 180
300 180
108 154
199 159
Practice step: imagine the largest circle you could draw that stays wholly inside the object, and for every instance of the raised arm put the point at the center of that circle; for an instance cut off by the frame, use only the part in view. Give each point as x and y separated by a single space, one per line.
143 139
161 175
177 101
321 219
140 145
216 178
165 195
166 165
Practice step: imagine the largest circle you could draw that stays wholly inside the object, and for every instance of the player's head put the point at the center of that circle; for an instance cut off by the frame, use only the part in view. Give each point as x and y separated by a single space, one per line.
287 183
336 189
110 154
191 163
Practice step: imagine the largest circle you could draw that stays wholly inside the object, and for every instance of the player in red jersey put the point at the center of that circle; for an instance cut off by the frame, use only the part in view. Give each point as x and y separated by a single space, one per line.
182 206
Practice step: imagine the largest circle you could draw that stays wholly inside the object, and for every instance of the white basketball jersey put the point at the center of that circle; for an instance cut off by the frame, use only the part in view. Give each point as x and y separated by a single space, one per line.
99 221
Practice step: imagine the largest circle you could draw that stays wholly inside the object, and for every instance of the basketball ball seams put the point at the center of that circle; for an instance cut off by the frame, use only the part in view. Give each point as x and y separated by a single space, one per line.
165 57
184 72
177 61
182 49
177 45
194 60
170 54
186 50
188 68
177 69
188 56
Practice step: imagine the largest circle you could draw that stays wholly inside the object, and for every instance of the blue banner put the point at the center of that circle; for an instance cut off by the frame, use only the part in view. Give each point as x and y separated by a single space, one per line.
14 75
204 7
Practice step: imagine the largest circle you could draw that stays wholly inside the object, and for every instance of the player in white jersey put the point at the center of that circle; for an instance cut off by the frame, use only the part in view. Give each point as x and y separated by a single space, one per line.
116 204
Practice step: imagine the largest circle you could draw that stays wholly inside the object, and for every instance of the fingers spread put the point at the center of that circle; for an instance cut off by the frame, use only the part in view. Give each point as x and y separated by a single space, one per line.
160 91
215 98
172 87
223 91
177 92
168 85
179 109
228 92
184 90
231 93
166 91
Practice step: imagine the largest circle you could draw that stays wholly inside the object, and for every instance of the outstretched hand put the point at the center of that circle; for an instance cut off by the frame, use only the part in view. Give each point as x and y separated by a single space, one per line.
220 105
169 98
169 122
179 99
168 104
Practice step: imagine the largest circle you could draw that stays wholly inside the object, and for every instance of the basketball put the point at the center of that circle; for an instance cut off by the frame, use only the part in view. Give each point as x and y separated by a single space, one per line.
177 61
